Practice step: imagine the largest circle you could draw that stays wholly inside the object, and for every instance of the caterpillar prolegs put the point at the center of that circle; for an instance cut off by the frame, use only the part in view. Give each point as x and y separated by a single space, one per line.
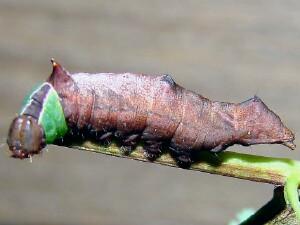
136 108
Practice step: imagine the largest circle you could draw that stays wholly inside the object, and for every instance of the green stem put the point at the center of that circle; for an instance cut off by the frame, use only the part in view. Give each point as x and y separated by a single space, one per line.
278 171
291 194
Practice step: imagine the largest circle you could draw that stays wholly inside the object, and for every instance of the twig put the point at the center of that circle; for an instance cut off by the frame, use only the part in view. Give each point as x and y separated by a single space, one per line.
277 171
243 166
275 212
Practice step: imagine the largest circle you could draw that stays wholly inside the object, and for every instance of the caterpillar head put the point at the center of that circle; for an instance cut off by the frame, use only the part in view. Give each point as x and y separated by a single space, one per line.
259 125
41 119
25 137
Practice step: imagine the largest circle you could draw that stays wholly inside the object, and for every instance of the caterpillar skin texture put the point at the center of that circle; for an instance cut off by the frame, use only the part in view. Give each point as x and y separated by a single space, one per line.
151 109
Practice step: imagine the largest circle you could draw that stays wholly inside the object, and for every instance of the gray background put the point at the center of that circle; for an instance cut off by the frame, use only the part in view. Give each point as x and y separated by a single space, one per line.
225 50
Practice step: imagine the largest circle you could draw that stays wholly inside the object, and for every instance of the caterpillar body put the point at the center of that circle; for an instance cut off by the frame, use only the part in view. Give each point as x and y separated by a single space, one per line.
138 107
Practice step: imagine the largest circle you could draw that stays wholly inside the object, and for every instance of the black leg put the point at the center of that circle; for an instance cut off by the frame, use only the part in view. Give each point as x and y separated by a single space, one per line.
152 150
106 138
129 143
183 157
220 148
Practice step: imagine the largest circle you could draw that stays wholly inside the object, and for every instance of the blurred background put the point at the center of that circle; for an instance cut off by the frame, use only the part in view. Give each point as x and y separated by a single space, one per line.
225 50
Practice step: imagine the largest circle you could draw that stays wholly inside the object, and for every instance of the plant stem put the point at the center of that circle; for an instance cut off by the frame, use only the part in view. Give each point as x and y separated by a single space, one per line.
275 212
277 171
243 166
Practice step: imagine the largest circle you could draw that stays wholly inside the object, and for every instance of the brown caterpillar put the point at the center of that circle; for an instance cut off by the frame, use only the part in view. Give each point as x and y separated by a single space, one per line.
138 107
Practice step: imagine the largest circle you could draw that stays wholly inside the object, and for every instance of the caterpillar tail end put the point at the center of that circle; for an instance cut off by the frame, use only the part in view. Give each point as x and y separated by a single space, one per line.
290 144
